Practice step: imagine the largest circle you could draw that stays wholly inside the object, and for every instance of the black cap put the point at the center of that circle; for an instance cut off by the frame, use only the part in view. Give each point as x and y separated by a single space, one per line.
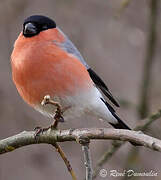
33 25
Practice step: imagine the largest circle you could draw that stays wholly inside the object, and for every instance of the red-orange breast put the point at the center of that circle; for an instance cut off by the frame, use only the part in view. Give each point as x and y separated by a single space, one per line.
40 67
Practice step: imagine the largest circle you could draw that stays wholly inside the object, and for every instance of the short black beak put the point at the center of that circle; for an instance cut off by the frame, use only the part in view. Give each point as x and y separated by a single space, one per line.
29 30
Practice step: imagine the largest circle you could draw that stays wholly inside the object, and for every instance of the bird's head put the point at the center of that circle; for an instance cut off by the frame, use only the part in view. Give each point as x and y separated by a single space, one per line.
33 25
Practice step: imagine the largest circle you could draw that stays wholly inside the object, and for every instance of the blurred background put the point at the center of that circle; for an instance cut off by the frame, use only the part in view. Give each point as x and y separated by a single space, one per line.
117 39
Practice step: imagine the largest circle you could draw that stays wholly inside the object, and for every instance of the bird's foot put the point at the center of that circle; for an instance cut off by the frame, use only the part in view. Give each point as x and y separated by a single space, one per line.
39 130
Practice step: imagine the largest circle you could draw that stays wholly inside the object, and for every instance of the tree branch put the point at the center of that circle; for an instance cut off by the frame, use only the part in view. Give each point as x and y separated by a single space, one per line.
67 163
27 137
87 160
142 126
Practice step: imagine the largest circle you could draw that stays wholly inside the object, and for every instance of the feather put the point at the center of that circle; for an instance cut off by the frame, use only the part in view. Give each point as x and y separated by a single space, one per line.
101 85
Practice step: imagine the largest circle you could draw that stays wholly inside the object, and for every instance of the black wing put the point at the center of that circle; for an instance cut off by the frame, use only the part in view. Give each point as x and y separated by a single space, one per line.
102 86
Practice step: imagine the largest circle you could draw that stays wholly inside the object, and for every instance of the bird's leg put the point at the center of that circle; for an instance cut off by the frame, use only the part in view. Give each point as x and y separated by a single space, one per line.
58 115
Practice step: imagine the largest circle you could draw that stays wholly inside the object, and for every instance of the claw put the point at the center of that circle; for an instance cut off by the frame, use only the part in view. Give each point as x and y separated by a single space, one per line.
38 130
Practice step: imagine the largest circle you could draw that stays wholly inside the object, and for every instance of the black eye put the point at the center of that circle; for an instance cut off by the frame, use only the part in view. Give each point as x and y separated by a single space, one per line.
29 30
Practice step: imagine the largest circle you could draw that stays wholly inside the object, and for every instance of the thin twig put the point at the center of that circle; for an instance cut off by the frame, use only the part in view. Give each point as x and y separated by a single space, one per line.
142 126
67 163
58 113
84 141
48 100
87 161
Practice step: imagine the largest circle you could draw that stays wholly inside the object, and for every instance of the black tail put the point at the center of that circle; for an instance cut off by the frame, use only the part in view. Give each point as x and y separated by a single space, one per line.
120 124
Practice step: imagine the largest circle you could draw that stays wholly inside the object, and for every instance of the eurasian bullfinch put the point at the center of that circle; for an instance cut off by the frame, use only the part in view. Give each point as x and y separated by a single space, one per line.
45 62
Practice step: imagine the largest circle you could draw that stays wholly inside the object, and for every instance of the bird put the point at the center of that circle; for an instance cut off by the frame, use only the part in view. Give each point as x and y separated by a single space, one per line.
44 62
